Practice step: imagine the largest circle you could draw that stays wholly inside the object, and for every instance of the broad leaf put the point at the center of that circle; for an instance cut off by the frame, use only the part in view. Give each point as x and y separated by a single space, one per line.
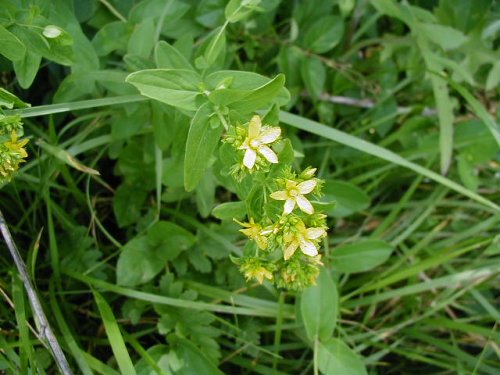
168 57
324 34
319 307
177 87
12 47
201 143
230 211
138 262
361 256
336 358
348 197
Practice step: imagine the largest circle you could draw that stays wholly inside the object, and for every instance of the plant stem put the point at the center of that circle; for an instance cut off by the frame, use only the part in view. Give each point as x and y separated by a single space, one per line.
45 331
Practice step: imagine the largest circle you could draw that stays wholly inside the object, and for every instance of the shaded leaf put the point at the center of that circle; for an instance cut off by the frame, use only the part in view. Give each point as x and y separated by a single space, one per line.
361 256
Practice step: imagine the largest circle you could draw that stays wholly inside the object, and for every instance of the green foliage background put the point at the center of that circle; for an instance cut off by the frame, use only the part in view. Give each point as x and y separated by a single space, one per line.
125 219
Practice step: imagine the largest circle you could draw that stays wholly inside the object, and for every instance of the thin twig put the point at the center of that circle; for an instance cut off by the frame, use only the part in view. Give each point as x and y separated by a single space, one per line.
44 330
369 103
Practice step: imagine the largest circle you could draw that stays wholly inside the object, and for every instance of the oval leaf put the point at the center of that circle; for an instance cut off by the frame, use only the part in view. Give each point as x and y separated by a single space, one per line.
319 307
349 198
361 256
201 142
177 87
336 358
324 34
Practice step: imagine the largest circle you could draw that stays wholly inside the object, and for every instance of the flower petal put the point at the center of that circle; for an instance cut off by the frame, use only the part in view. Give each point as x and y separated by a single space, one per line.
254 127
304 204
249 159
279 195
306 187
289 206
314 233
269 135
268 154
308 248
290 250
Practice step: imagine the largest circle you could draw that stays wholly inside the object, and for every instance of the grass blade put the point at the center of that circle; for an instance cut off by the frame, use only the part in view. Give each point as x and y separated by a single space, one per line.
114 335
380 152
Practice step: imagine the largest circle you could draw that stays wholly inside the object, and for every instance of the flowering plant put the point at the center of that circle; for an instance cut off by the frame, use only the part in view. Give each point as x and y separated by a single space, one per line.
276 229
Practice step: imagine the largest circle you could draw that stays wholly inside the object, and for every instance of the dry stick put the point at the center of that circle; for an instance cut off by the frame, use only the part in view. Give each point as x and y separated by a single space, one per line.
45 330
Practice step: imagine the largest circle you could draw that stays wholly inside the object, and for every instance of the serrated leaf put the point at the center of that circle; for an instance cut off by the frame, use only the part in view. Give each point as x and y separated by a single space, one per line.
201 143
361 256
319 306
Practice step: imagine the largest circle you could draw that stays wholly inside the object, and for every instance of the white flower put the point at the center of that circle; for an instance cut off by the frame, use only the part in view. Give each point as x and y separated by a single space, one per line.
294 194
256 141
302 238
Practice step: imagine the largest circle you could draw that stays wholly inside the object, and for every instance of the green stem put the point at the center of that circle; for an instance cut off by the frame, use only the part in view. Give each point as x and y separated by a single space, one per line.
73 106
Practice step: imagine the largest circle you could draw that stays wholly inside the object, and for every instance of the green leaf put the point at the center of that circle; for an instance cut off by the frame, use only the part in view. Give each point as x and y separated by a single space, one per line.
324 34
446 37
230 211
111 37
65 157
9 100
169 240
216 46
56 49
187 359
12 47
335 358
383 153
177 87
314 76
27 68
205 194
236 10
467 173
348 197
361 256
201 143
264 96
115 337
141 42
138 262
169 57
319 306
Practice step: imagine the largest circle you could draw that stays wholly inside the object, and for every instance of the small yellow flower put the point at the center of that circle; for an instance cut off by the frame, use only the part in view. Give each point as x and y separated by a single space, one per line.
15 146
294 194
255 232
258 273
302 237
257 140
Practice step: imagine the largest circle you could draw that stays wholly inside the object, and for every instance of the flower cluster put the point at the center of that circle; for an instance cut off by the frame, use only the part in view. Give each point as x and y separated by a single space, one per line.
287 221
12 151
